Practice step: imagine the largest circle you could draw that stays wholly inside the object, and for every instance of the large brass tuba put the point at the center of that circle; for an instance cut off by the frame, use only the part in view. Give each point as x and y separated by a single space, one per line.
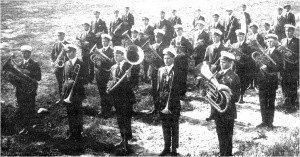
13 74
218 95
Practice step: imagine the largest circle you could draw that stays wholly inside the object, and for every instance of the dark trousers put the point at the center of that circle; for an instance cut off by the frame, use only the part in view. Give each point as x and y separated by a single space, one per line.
25 115
170 126
59 77
267 95
154 91
289 87
117 41
146 67
224 129
104 101
243 73
124 115
75 117
135 71
86 60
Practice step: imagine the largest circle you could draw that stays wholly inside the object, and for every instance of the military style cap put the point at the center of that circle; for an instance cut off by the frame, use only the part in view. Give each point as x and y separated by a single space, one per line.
216 31
170 51
240 32
159 31
70 47
26 48
289 26
103 36
267 23
86 23
253 25
119 50
201 22
216 15
271 35
134 29
178 26
227 56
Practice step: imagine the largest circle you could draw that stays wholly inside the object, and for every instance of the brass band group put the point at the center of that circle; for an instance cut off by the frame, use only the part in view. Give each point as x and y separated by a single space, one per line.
226 57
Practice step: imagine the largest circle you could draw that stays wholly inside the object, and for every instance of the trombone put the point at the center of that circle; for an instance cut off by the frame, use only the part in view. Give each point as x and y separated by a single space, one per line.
76 72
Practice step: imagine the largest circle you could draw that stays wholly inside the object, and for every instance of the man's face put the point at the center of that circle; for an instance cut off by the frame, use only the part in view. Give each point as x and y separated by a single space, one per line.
216 38
105 42
86 27
127 10
118 57
71 54
225 64
271 42
168 60
289 32
174 13
61 37
254 30
287 9
134 34
279 11
158 38
162 15
216 18
267 27
240 37
97 14
243 7
198 12
116 14
26 54
145 22
229 12
200 26
178 31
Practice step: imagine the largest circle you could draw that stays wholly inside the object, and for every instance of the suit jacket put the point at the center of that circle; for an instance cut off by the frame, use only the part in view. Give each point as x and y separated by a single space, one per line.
244 61
218 26
186 46
290 19
178 87
248 18
212 55
129 19
123 93
294 46
231 25
231 80
158 62
175 20
197 19
113 25
165 24
34 73
98 26
89 37
78 91
57 48
149 33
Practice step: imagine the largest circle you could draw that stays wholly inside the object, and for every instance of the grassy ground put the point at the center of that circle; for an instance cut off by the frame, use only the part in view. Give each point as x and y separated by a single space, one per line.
35 22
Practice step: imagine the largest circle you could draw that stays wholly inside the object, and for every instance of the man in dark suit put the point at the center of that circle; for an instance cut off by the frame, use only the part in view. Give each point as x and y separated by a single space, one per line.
166 26
87 40
128 21
231 25
98 27
148 30
102 71
57 49
122 96
225 121
74 107
157 62
245 16
212 55
243 61
201 41
198 17
289 17
25 115
116 29
267 29
171 85
216 24
135 71
268 82
174 19
290 73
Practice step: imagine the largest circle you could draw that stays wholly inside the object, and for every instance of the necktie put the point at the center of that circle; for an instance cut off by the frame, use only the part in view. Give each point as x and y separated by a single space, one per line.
71 64
118 69
287 41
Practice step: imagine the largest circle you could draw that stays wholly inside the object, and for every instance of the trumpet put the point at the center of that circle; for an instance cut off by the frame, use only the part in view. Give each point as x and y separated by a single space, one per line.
76 72
166 109
98 57
59 62
290 59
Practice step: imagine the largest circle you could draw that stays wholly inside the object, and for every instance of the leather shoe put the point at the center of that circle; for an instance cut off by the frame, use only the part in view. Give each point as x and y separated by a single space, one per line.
165 152
261 125
270 126
174 152
209 118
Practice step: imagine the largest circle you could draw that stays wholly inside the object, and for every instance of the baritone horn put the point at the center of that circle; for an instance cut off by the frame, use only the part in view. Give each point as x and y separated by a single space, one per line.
218 95
98 56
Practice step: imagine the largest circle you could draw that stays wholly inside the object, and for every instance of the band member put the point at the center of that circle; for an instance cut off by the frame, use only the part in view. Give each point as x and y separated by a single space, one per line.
201 41
148 30
166 26
216 24
174 19
225 121
278 23
255 35
87 41
57 49
102 71
116 28
267 29
128 20
231 25
171 85
158 47
290 73
198 17
25 115
242 66
135 71
212 55
289 17
201 32
98 27
245 18
74 79
268 82
122 96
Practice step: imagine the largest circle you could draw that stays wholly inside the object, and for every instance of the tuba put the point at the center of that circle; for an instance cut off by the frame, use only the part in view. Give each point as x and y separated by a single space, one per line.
218 95
13 74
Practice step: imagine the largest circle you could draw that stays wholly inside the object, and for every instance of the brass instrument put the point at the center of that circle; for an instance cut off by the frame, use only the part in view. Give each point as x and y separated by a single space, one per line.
126 36
292 59
134 55
12 73
259 49
76 72
59 62
98 57
166 109
218 95
117 28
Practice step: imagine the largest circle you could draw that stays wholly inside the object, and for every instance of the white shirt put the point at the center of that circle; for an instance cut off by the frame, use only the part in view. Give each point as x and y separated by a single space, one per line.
121 63
73 60
270 50
225 71
105 48
146 26
169 68
26 61
62 41
178 38
217 44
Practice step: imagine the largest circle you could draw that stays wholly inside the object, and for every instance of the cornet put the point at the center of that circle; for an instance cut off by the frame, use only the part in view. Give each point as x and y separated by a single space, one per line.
166 109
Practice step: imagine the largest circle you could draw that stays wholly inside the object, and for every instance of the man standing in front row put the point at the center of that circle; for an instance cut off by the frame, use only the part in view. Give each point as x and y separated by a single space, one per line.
225 121
74 108
171 85
25 115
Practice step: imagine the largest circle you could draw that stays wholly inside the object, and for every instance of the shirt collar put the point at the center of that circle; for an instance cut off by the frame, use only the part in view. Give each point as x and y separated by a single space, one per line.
61 41
289 38
105 48
158 43
225 71
74 60
169 68
271 49
217 44
26 61
122 63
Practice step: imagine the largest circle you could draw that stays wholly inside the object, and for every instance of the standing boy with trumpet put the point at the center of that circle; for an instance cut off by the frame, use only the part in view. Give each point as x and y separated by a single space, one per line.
171 87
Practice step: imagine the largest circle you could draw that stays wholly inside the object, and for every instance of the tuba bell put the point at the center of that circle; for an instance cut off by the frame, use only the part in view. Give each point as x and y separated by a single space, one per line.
13 74
218 95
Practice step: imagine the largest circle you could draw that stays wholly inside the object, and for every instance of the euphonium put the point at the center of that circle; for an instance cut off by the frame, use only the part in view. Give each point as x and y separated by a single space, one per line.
218 95
13 74
98 57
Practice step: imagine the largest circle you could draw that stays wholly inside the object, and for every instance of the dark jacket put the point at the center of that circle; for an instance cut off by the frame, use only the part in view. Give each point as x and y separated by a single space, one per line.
230 27
113 25
149 33
294 46
99 26
129 19
158 62
91 38
197 19
290 19
175 20
183 45
212 55
248 18
165 24
57 48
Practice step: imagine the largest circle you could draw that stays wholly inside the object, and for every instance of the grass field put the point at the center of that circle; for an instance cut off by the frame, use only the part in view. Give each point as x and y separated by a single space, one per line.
34 22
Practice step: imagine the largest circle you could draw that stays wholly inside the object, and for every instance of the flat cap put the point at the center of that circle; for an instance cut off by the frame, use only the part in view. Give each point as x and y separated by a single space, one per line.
253 25
159 31
216 31
279 7
227 56
229 8
70 47
289 26
103 36
215 14
96 11
162 12
60 32
173 10
267 23
170 51
119 50
26 48
271 35
240 32
86 23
